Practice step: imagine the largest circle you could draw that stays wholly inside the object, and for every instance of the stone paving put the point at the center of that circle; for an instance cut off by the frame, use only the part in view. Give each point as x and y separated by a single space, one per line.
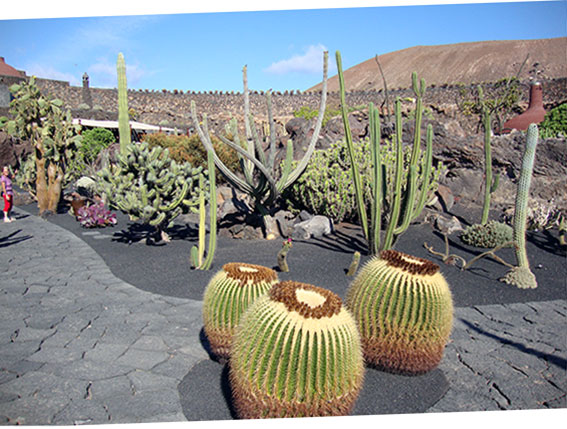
78 345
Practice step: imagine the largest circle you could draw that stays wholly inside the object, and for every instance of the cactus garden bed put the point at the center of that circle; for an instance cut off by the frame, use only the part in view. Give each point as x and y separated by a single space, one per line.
205 393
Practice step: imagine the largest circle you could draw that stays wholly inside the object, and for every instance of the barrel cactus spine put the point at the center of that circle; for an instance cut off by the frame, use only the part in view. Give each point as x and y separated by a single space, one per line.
404 310
229 293
296 353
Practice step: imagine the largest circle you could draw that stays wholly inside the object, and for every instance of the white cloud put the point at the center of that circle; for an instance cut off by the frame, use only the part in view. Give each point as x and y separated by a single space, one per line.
309 62
103 74
48 72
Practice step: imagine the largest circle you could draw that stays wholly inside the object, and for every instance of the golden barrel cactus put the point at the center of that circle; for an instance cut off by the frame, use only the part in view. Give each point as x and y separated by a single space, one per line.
296 353
404 311
227 296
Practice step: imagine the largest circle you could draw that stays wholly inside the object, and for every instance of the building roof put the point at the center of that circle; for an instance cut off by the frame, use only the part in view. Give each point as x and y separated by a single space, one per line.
8 70
114 124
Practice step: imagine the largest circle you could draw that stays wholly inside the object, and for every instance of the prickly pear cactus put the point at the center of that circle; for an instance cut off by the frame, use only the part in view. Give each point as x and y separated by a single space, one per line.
229 293
150 187
404 310
296 353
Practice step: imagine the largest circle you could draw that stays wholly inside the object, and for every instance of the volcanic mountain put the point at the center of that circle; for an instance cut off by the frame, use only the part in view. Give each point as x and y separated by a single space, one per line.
461 62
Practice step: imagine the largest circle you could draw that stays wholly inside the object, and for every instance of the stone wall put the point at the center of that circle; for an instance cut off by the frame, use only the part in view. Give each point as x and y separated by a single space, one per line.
172 108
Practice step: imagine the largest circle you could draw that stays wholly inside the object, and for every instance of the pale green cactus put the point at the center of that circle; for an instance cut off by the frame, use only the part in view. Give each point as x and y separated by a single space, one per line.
123 117
404 311
296 353
229 293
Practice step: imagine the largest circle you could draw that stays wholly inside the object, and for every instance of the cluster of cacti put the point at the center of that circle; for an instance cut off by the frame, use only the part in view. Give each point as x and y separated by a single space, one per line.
490 185
490 235
260 171
521 276
150 187
53 135
123 117
296 353
400 213
229 293
404 311
198 253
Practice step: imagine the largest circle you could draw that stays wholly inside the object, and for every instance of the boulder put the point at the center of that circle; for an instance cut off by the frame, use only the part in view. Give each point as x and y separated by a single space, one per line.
315 227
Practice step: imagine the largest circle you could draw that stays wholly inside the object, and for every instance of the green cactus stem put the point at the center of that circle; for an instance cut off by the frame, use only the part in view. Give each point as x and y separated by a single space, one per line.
123 118
562 227
282 256
404 311
521 276
229 293
296 353
490 185
354 264
197 253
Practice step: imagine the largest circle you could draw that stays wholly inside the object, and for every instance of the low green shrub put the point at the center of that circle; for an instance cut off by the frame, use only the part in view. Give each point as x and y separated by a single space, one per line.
190 149
309 113
325 187
94 141
555 122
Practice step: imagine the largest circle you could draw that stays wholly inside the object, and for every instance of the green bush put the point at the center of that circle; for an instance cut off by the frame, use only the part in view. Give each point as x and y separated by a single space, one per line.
94 141
309 113
555 122
190 149
325 187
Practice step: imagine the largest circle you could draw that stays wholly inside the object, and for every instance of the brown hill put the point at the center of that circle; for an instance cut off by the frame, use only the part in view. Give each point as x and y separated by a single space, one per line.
461 62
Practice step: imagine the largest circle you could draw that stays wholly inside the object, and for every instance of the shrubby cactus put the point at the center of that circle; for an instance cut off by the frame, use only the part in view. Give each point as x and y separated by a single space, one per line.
150 187
404 311
490 235
296 353
229 293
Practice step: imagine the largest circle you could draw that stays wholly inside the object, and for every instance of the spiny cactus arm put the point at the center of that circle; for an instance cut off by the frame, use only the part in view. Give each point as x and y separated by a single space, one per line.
419 93
305 160
395 213
123 120
198 257
427 167
409 200
487 164
522 196
272 126
157 220
257 143
376 207
286 167
175 203
213 213
234 180
248 166
350 146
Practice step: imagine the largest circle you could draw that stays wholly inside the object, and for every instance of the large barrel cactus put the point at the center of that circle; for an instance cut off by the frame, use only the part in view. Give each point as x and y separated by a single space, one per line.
296 353
231 291
404 310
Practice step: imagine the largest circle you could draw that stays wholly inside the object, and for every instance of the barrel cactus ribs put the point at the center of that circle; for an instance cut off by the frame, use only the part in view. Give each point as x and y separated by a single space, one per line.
404 310
229 293
296 353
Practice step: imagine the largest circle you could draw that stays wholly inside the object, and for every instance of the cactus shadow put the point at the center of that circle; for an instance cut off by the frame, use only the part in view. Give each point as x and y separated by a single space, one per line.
10 239
547 241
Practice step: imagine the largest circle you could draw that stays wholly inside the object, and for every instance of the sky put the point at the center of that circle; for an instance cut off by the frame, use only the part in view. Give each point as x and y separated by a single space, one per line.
181 47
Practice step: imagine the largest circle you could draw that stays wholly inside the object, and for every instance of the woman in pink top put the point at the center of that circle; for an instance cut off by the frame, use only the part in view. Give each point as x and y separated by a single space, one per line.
7 193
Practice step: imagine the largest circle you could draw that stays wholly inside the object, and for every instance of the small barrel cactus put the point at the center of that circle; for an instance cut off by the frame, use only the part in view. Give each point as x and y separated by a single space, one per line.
404 310
489 235
296 353
231 291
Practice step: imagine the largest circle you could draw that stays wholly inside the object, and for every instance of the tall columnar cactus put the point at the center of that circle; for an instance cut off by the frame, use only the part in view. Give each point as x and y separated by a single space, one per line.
151 187
260 172
229 293
404 310
197 253
400 212
296 353
490 185
521 276
123 118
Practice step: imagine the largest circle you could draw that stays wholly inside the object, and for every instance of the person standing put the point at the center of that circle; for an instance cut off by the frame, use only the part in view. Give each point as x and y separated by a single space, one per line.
7 193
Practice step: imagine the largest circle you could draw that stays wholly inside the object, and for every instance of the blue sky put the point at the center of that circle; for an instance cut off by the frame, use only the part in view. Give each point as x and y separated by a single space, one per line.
282 48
